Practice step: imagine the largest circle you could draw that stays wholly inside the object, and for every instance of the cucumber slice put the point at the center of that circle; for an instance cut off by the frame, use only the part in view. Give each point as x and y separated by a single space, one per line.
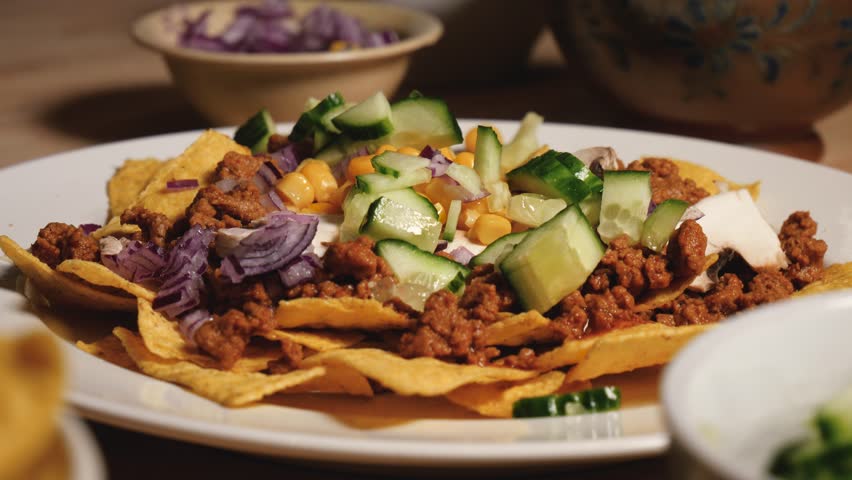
412 265
553 260
591 207
624 204
379 183
421 121
593 400
389 219
524 143
556 175
396 164
356 204
255 133
367 120
661 223
453 213
326 120
312 117
834 419
533 209
322 137
488 151
498 249
467 178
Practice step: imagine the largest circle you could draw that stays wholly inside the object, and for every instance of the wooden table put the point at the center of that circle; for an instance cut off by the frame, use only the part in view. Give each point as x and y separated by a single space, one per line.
71 77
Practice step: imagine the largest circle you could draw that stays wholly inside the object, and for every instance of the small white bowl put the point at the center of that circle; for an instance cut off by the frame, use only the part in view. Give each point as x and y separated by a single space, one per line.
737 394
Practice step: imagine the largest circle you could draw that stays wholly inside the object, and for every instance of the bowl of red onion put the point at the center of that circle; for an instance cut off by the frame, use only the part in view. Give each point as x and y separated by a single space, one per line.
232 58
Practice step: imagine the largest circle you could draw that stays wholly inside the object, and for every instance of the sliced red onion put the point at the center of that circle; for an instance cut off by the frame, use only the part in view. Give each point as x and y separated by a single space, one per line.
133 260
180 185
269 247
192 321
267 176
289 157
439 164
692 213
89 227
341 168
598 159
462 255
182 274
300 270
227 184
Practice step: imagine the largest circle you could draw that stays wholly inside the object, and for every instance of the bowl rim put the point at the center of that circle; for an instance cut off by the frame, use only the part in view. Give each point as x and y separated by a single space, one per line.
689 360
431 31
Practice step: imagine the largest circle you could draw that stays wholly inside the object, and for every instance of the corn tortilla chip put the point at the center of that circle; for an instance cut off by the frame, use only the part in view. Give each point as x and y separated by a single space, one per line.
522 329
340 379
419 376
710 180
228 388
116 229
347 312
129 181
573 351
110 349
836 277
60 288
496 399
319 341
97 274
633 349
658 298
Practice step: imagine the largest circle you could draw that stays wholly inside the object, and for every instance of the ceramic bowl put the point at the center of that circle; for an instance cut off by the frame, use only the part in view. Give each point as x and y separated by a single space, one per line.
737 394
751 66
227 88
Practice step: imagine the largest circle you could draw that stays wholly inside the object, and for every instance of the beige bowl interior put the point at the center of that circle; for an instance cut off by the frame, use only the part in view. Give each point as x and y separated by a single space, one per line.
227 88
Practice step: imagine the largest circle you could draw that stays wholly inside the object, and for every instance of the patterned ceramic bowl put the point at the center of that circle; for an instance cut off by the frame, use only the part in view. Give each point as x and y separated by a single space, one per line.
748 65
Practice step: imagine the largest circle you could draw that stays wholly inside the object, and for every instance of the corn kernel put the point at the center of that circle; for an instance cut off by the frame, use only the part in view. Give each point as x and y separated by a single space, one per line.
360 166
464 158
340 194
338 46
480 205
295 189
470 138
467 218
442 212
540 151
448 153
322 208
489 227
321 178
385 148
436 192
409 151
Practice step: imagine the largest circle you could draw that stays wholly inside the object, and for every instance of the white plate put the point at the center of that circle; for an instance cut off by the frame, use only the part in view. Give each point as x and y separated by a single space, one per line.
70 188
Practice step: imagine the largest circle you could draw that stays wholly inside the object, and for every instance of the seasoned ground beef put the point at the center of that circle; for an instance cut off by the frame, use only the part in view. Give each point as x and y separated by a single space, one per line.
352 262
59 241
804 251
767 286
487 294
666 181
572 320
581 315
524 359
238 166
213 208
631 267
226 336
323 289
292 356
154 226
685 250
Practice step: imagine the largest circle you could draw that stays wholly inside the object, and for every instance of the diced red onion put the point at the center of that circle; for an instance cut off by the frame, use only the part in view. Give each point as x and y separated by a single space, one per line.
289 157
439 164
227 184
89 227
598 159
692 213
133 260
192 321
457 192
182 274
300 270
282 237
267 176
180 185
462 255
341 168
651 207
442 245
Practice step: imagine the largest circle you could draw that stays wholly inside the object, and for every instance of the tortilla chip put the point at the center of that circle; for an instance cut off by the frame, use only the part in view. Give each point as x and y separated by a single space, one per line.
346 312
340 379
110 349
116 229
522 329
623 351
419 376
60 288
31 381
97 274
129 181
228 388
658 298
710 180
835 277
319 341
496 399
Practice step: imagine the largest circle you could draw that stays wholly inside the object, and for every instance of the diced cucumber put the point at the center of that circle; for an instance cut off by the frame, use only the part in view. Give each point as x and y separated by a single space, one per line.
431 272
467 178
556 175
624 204
396 164
591 207
326 120
834 419
661 223
367 120
255 133
601 399
379 183
312 117
488 151
387 218
421 121
356 204
450 225
553 260
533 209
498 249
498 200
322 137
525 142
